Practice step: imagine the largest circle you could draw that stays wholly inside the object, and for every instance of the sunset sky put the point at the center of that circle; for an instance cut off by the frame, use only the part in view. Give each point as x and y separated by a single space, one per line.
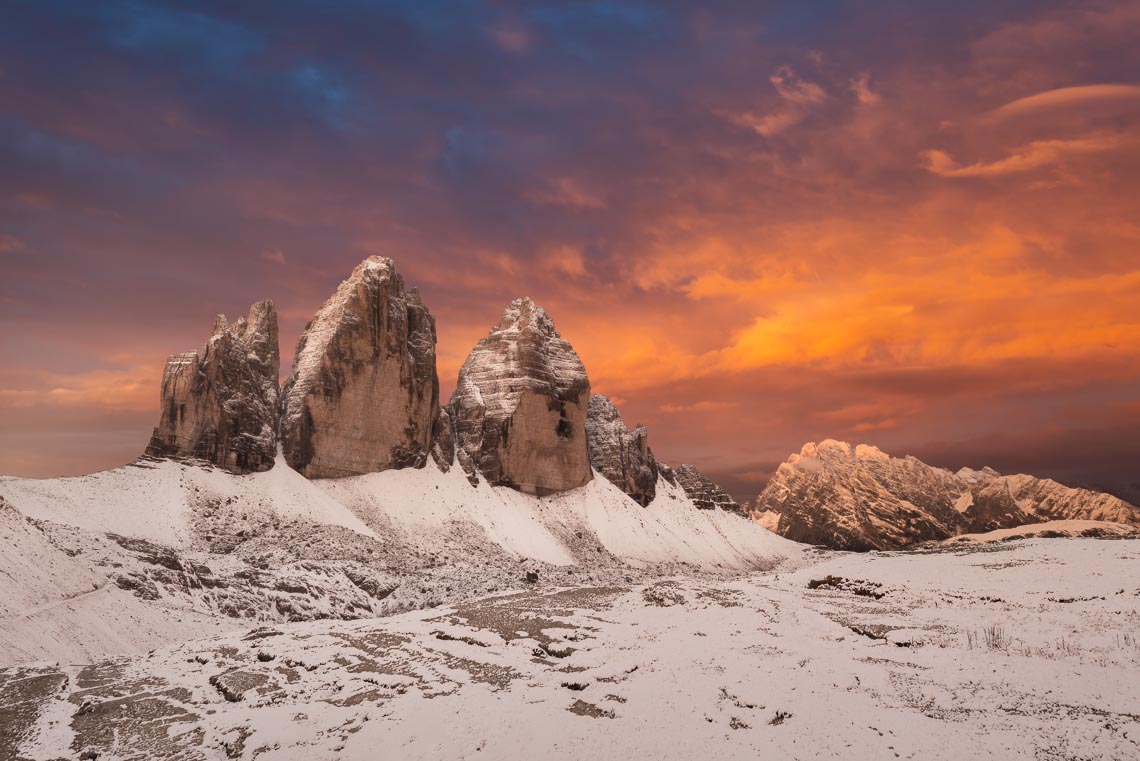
911 224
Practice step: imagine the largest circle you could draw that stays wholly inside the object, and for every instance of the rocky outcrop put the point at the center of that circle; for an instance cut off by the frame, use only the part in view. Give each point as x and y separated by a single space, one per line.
621 455
363 395
859 498
220 404
442 442
704 493
519 410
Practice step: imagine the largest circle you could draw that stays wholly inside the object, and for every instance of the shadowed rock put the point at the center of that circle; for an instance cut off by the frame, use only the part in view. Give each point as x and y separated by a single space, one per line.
705 493
220 404
443 441
621 455
519 410
363 395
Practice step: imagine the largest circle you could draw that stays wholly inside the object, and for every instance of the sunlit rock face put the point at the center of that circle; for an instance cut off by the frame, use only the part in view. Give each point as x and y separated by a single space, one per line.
859 498
622 456
519 410
364 394
705 493
220 404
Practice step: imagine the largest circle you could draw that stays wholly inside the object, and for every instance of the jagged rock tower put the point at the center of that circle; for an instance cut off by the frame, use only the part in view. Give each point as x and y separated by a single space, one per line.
705 493
220 404
364 394
518 413
621 455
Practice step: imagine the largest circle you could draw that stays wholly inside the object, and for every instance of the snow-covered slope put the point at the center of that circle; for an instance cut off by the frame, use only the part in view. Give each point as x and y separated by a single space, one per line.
1021 651
433 511
860 498
1050 529
172 542
160 500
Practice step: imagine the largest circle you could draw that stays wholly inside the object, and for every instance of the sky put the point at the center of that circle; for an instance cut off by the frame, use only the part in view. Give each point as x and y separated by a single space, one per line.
903 223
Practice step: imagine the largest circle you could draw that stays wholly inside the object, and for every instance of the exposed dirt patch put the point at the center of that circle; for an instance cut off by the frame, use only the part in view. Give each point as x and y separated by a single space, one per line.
582 708
859 587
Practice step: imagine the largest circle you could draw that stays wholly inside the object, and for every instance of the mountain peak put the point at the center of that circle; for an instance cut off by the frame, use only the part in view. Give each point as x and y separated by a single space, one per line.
220 404
520 404
862 498
363 395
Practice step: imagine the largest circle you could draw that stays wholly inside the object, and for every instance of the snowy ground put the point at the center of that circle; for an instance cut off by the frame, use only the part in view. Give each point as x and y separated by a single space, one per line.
122 561
1025 649
1050 529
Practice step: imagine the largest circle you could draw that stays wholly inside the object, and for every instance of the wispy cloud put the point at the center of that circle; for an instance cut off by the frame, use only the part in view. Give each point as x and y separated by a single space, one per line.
1069 97
797 96
1034 155
861 86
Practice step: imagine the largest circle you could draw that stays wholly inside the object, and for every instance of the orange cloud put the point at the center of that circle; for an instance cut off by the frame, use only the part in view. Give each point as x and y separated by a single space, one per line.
568 191
130 388
861 86
273 255
1034 155
1064 97
701 406
798 96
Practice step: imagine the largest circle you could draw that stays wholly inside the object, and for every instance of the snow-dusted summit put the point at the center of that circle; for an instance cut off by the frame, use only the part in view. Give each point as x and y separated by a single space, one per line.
859 498
519 409
220 404
364 394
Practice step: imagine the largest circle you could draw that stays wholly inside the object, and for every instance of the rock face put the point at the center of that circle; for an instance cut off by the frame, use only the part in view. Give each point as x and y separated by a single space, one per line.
858 498
220 404
705 494
363 395
621 455
442 441
519 410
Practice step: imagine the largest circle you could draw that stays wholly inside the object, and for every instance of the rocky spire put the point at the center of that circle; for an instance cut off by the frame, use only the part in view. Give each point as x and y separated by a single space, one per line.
258 331
621 455
363 395
442 441
519 409
220 404
705 493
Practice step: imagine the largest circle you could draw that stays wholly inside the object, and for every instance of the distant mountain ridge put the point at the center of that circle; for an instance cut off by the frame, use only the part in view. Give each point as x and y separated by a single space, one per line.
860 498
